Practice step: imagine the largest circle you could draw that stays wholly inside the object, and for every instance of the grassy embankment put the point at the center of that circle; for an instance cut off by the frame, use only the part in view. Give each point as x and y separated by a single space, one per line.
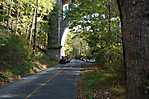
99 82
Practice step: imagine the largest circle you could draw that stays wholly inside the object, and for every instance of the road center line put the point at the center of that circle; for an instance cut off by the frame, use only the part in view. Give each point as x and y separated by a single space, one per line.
36 89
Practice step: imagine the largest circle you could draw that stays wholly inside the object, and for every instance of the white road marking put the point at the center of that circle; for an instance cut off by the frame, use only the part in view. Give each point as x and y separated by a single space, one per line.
43 84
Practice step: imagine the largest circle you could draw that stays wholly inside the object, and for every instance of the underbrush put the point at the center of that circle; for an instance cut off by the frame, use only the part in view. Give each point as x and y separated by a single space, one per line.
3 78
41 61
100 84
16 58
44 59
15 55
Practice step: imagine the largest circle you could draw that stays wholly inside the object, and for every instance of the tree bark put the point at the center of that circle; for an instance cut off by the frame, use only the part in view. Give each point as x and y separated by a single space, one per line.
9 9
35 30
17 19
135 27
94 6
123 68
32 27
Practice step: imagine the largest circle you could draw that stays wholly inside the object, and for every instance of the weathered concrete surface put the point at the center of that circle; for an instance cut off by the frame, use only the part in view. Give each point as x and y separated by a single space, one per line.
54 54
58 25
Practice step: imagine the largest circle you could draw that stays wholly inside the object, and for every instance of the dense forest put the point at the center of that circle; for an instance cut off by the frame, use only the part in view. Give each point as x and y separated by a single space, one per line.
24 27
112 32
98 28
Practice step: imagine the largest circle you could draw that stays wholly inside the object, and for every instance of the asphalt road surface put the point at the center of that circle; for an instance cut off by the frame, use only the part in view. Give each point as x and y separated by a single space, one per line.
58 82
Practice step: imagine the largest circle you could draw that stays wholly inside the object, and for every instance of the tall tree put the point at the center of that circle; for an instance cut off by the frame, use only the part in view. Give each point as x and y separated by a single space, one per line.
134 17
35 30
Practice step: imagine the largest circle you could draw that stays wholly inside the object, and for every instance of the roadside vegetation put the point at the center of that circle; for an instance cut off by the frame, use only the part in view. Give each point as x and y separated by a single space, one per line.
17 59
23 38
95 34
99 82
113 33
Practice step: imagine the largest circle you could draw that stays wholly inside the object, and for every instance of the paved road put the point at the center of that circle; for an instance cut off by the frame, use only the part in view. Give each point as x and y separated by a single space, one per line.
58 82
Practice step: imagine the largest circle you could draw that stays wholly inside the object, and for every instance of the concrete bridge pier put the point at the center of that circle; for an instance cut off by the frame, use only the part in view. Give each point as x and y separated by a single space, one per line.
54 38
56 33
54 53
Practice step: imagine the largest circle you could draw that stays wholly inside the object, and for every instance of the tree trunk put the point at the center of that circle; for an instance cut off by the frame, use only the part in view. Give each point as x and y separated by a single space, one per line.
9 9
94 6
32 27
123 68
17 19
134 18
17 23
109 16
35 30
28 32
3 12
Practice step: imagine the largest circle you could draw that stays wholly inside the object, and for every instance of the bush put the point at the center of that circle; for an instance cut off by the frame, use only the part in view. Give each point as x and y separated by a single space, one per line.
14 55
44 59
3 78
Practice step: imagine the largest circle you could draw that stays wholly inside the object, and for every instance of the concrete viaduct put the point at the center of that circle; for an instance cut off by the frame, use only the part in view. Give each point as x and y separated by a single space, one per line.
55 35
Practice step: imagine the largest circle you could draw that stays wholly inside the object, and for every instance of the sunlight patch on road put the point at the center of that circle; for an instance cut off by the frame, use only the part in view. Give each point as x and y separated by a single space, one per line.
8 96
30 78
44 72
67 68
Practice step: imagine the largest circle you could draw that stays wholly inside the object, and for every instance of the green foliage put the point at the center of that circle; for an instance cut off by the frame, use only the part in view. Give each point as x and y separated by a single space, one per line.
69 45
100 79
16 38
75 46
15 55
96 81
3 78
17 16
118 91
92 22
44 59
100 56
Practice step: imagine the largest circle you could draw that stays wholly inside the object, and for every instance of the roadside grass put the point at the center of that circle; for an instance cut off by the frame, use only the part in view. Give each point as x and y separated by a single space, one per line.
100 84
